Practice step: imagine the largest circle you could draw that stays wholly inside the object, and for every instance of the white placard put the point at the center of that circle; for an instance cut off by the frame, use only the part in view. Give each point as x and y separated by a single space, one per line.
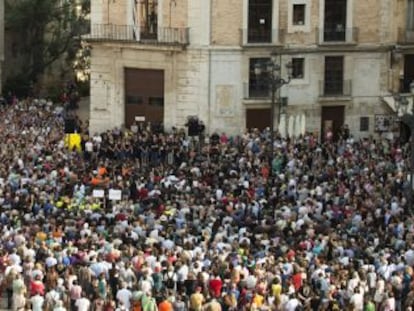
140 118
98 193
115 195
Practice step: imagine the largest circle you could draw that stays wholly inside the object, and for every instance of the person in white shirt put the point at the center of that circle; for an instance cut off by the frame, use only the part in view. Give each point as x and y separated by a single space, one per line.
357 300
15 258
389 302
59 306
37 302
51 261
292 303
52 297
146 284
124 296
83 303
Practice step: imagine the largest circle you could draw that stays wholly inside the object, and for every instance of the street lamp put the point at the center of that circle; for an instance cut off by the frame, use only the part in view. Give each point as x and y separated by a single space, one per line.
407 117
272 71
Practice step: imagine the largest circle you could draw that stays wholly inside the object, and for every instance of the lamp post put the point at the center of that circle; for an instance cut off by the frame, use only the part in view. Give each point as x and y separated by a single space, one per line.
407 117
272 71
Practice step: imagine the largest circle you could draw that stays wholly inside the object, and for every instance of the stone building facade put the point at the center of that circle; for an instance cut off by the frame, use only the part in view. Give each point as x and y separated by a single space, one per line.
165 60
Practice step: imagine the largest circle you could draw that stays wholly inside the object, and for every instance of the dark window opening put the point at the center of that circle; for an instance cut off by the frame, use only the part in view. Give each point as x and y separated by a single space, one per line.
134 100
156 101
335 20
260 21
149 19
298 68
258 85
299 14
334 75
408 76
364 124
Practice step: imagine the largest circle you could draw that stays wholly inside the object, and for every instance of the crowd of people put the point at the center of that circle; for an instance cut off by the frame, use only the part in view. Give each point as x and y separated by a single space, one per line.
217 224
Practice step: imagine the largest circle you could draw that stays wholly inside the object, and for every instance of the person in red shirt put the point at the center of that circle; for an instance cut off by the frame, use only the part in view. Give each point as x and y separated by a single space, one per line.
37 286
297 280
215 286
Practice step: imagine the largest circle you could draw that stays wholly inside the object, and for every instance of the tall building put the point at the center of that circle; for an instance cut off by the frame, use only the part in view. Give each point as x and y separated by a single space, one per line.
163 61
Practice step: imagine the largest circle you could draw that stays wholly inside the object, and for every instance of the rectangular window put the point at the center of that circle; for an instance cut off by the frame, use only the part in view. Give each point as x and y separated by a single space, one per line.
156 101
260 21
334 75
149 18
298 68
299 14
335 20
364 124
134 100
258 85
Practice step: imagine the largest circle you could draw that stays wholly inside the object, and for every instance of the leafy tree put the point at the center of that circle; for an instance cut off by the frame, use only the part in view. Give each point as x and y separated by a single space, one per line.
48 30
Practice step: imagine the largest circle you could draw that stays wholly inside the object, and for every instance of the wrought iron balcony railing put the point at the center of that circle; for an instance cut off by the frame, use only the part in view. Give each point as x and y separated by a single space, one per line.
256 90
261 36
331 88
337 35
160 35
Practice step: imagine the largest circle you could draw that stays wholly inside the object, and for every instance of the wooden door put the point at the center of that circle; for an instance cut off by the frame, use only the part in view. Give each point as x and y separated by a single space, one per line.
144 95
258 118
333 119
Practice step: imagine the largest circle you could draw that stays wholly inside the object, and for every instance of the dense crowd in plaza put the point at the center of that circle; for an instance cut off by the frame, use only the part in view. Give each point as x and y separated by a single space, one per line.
200 225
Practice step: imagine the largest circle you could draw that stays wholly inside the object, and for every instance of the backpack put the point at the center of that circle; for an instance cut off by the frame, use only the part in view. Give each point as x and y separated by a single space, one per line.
299 307
169 282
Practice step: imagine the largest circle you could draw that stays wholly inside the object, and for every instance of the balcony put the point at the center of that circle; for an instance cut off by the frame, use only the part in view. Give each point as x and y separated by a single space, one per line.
259 37
335 89
405 36
256 90
129 33
337 36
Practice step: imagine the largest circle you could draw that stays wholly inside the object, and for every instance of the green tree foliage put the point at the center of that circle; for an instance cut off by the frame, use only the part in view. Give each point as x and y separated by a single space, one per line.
49 30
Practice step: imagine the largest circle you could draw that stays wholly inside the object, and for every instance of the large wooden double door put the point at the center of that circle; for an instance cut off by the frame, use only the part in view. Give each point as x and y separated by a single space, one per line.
144 95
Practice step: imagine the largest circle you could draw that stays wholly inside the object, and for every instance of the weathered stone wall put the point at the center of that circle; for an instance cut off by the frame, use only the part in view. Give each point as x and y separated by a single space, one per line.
226 22
210 76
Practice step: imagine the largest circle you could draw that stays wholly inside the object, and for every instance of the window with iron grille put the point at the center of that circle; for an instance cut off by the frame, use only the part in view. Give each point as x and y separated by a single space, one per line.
335 20
258 85
334 75
364 124
260 21
298 68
